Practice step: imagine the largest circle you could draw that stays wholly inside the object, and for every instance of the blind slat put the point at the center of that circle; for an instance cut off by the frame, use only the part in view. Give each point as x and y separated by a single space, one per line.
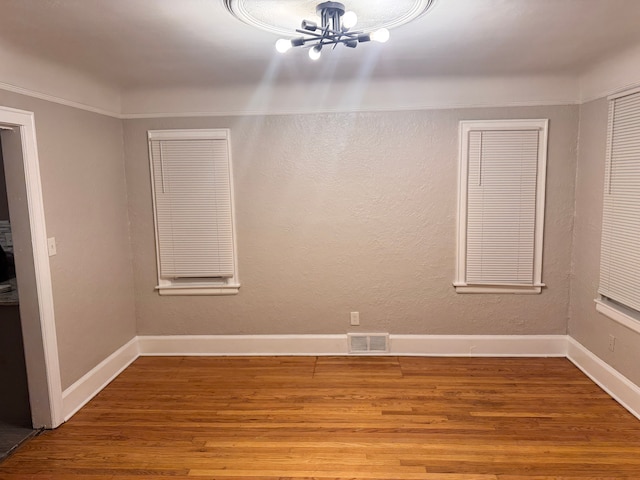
193 208
620 254
501 206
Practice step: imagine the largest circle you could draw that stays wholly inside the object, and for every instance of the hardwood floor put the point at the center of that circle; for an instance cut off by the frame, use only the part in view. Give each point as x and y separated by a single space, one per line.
360 418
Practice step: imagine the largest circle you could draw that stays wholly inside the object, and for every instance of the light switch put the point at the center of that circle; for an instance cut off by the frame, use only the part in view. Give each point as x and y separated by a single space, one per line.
51 244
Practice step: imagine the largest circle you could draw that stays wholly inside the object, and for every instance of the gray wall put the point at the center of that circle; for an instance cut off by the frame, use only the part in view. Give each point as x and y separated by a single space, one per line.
352 212
85 201
589 327
335 213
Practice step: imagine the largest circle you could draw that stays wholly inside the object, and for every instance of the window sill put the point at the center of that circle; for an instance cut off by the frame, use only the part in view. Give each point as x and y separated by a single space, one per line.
198 289
615 313
515 289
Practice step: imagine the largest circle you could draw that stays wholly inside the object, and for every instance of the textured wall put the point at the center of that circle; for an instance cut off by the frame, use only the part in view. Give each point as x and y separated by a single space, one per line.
85 201
352 212
589 327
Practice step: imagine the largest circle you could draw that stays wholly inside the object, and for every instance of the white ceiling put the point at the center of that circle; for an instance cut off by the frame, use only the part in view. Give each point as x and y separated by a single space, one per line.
137 44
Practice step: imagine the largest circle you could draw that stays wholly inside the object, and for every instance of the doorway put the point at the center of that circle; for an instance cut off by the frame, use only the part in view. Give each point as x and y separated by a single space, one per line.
36 313
15 412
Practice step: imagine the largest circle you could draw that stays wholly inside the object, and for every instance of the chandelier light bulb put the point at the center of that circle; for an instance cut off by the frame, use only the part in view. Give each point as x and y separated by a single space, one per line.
380 36
336 27
349 20
330 24
315 52
283 45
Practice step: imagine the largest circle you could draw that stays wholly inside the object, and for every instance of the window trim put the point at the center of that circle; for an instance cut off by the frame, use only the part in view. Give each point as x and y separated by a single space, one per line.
192 286
615 311
467 126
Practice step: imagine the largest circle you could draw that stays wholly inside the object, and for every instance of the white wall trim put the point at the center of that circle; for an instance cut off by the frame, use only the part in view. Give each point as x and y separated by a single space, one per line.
610 380
243 345
623 390
617 315
418 345
143 108
432 93
54 99
44 78
611 92
466 214
479 345
380 95
47 413
614 74
330 110
82 391
41 263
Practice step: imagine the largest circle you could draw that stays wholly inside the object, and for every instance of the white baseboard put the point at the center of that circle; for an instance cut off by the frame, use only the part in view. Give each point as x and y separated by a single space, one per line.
434 345
623 390
479 345
610 380
242 345
77 395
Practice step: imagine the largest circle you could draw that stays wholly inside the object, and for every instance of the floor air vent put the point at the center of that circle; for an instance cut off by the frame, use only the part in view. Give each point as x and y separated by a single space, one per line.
368 343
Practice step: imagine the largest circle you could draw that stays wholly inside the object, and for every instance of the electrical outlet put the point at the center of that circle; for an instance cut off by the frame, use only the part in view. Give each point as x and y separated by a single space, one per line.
355 319
612 343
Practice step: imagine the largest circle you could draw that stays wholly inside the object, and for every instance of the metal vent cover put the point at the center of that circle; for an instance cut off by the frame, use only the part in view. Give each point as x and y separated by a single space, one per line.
368 342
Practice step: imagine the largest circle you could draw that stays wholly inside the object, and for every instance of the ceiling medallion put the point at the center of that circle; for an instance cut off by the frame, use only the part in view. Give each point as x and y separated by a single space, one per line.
331 23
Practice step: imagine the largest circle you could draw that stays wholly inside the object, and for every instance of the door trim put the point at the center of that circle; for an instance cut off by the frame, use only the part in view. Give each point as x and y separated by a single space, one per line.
45 412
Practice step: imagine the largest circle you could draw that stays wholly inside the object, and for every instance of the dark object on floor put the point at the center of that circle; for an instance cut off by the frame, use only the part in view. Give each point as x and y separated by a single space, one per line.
7 266
11 437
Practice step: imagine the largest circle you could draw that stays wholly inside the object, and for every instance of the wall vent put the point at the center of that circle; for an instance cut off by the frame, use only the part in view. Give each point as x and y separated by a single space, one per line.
368 342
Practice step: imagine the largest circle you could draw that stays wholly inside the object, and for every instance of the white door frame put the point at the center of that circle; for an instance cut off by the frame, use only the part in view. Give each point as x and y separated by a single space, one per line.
45 412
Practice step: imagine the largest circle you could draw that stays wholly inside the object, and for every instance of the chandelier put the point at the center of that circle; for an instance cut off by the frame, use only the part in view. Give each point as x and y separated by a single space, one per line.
335 28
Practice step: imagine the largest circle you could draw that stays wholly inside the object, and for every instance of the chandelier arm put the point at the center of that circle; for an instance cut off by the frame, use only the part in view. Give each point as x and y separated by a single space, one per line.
347 34
322 43
325 31
331 31
350 34
311 34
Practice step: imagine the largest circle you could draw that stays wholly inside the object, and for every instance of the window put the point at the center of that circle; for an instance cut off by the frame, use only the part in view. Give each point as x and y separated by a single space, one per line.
193 212
620 252
501 206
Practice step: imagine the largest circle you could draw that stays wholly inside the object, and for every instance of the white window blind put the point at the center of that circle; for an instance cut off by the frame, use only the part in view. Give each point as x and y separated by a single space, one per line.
620 253
501 205
193 204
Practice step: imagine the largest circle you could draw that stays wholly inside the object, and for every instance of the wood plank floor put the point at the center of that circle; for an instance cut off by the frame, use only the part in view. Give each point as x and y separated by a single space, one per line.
179 418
